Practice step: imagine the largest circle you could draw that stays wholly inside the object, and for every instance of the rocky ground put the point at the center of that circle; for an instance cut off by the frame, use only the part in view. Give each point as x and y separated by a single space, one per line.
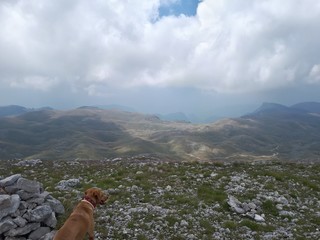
152 199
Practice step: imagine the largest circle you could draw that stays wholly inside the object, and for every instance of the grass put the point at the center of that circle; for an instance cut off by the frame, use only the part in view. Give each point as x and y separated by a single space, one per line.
209 195
230 224
256 226
171 220
179 199
193 196
142 237
269 208
279 176
207 225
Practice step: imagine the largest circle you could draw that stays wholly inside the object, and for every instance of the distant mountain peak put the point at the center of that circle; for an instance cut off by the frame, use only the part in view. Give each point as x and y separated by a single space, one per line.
16 110
311 107
89 107
270 105
116 107
12 110
269 109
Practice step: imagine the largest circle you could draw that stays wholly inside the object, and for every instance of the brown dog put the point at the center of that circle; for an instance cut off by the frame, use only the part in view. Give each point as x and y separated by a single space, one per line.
81 220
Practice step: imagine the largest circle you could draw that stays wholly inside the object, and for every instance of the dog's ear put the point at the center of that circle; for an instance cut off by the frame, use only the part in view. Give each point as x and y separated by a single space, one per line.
89 192
96 194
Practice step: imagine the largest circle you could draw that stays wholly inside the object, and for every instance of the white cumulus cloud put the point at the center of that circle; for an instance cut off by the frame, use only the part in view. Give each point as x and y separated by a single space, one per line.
228 46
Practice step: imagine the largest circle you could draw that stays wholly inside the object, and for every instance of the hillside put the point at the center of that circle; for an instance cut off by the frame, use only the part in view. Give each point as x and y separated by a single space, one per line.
271 132
154 199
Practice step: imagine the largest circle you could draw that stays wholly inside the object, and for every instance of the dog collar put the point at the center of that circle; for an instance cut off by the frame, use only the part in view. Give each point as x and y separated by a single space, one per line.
90 201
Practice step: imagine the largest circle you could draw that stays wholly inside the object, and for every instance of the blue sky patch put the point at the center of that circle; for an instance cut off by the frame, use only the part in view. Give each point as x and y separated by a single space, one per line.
185 7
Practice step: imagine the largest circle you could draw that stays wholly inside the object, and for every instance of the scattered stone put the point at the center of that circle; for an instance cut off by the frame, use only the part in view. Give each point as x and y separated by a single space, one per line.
184 223
252 205
213 174
67 185
134 188
286 213
282 200
258 218
235 205
245 209
171 207
27 163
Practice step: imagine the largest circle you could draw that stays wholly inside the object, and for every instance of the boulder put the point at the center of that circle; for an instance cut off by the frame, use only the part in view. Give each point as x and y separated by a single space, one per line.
249 209
28 185
55 205
48 236
20 221
22 230
66 185
11 189
258 218
38 214
26 195
9 180
8 204
51 221
235 205
39 233
6 225
26 211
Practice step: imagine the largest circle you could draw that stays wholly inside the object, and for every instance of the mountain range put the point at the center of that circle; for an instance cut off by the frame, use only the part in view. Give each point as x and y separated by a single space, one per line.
273 131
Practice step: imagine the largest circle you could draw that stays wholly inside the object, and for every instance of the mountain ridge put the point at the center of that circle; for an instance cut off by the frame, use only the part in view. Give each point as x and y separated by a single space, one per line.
93 133
312 107
12 110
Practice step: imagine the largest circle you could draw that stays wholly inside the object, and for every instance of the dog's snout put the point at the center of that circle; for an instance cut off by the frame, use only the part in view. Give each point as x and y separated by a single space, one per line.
104 198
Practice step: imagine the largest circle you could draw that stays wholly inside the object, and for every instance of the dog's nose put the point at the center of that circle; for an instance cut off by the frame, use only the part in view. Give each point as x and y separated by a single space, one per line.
104 199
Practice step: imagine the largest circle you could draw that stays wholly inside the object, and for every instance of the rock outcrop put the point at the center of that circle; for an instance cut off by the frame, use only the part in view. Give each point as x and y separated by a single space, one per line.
26 210
249 209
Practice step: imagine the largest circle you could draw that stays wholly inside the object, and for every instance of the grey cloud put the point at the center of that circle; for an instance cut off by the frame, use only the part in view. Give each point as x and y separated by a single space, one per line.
227 47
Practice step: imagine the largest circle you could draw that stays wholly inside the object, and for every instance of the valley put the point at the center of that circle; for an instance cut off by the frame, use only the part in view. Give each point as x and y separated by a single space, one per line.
271 132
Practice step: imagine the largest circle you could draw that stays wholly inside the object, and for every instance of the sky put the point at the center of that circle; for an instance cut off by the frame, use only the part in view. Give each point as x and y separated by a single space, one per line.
209 57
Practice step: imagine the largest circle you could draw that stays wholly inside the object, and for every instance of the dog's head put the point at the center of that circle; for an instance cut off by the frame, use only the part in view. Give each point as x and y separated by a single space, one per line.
97 195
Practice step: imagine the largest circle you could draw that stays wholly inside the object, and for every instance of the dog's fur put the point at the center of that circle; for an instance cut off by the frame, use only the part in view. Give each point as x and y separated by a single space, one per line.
81 219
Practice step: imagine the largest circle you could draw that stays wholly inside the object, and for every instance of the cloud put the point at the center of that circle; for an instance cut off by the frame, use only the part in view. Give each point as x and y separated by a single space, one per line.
228 46
34 82
315 74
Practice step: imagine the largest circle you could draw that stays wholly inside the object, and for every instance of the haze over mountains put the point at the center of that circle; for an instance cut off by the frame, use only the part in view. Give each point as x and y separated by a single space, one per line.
273 131
12 110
